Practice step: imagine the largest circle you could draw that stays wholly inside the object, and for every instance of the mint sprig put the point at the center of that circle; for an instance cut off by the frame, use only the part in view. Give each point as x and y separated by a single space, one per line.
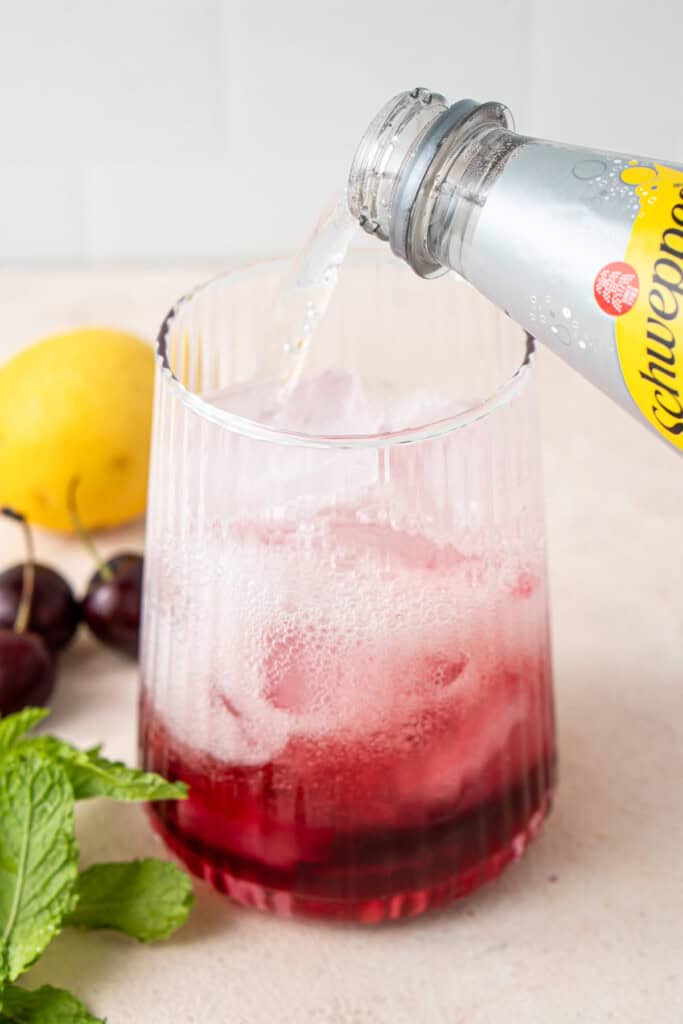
45 1005
41 889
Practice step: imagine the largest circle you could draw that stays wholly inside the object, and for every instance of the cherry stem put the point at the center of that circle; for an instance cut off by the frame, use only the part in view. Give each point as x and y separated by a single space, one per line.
28 577
102 567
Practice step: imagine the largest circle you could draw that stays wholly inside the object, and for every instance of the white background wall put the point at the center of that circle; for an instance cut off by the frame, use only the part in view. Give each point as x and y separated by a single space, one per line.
160 132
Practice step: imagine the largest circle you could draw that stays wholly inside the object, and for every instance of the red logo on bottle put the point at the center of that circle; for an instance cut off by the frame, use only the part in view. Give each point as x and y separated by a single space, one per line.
616 288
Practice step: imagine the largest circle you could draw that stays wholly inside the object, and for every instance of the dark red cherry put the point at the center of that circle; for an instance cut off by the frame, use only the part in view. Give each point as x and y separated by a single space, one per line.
113 602
55 612
27 671
27 666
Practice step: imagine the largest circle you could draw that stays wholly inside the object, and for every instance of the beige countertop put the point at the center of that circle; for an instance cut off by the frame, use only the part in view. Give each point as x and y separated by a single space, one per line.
589 927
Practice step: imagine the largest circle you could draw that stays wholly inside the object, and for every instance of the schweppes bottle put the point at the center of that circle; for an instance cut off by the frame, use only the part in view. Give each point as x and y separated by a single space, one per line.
581 247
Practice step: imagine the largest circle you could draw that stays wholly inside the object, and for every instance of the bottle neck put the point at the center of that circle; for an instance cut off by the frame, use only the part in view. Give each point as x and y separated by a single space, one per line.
450 212
423 170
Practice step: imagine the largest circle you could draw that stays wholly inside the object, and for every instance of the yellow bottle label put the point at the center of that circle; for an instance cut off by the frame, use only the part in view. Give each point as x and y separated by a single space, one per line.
645 295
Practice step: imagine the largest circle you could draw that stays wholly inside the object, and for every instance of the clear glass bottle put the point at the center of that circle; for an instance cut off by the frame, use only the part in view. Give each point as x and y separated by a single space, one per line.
583 248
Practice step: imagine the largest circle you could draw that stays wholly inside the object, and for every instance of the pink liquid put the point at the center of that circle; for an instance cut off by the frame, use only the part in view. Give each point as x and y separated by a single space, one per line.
381 816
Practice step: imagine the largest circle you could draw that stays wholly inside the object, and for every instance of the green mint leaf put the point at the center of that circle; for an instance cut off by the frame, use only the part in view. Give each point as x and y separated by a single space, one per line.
98 776
46 1005
14 727
92 775
38 856
147 899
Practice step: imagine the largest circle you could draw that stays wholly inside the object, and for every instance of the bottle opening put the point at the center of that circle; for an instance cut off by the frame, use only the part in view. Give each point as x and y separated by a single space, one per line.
388 142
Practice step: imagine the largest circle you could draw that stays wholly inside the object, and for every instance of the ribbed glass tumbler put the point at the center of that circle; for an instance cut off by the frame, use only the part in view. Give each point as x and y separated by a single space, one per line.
345 643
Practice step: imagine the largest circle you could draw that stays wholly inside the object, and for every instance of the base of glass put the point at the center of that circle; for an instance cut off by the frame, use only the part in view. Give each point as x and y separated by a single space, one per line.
373 911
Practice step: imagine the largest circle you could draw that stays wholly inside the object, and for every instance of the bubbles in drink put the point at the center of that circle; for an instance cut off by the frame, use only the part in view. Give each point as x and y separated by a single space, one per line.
378 689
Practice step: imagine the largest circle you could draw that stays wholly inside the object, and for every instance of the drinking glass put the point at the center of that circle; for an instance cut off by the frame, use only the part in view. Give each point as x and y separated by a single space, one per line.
345 642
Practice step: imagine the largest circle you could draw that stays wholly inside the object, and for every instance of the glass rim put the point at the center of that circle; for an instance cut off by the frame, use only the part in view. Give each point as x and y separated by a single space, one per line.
499 396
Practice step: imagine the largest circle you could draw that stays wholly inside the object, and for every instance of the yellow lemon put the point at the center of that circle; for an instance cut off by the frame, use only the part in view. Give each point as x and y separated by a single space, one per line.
77 404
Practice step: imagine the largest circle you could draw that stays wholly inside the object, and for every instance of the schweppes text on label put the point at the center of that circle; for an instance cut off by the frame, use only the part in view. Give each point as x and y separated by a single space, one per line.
650 334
